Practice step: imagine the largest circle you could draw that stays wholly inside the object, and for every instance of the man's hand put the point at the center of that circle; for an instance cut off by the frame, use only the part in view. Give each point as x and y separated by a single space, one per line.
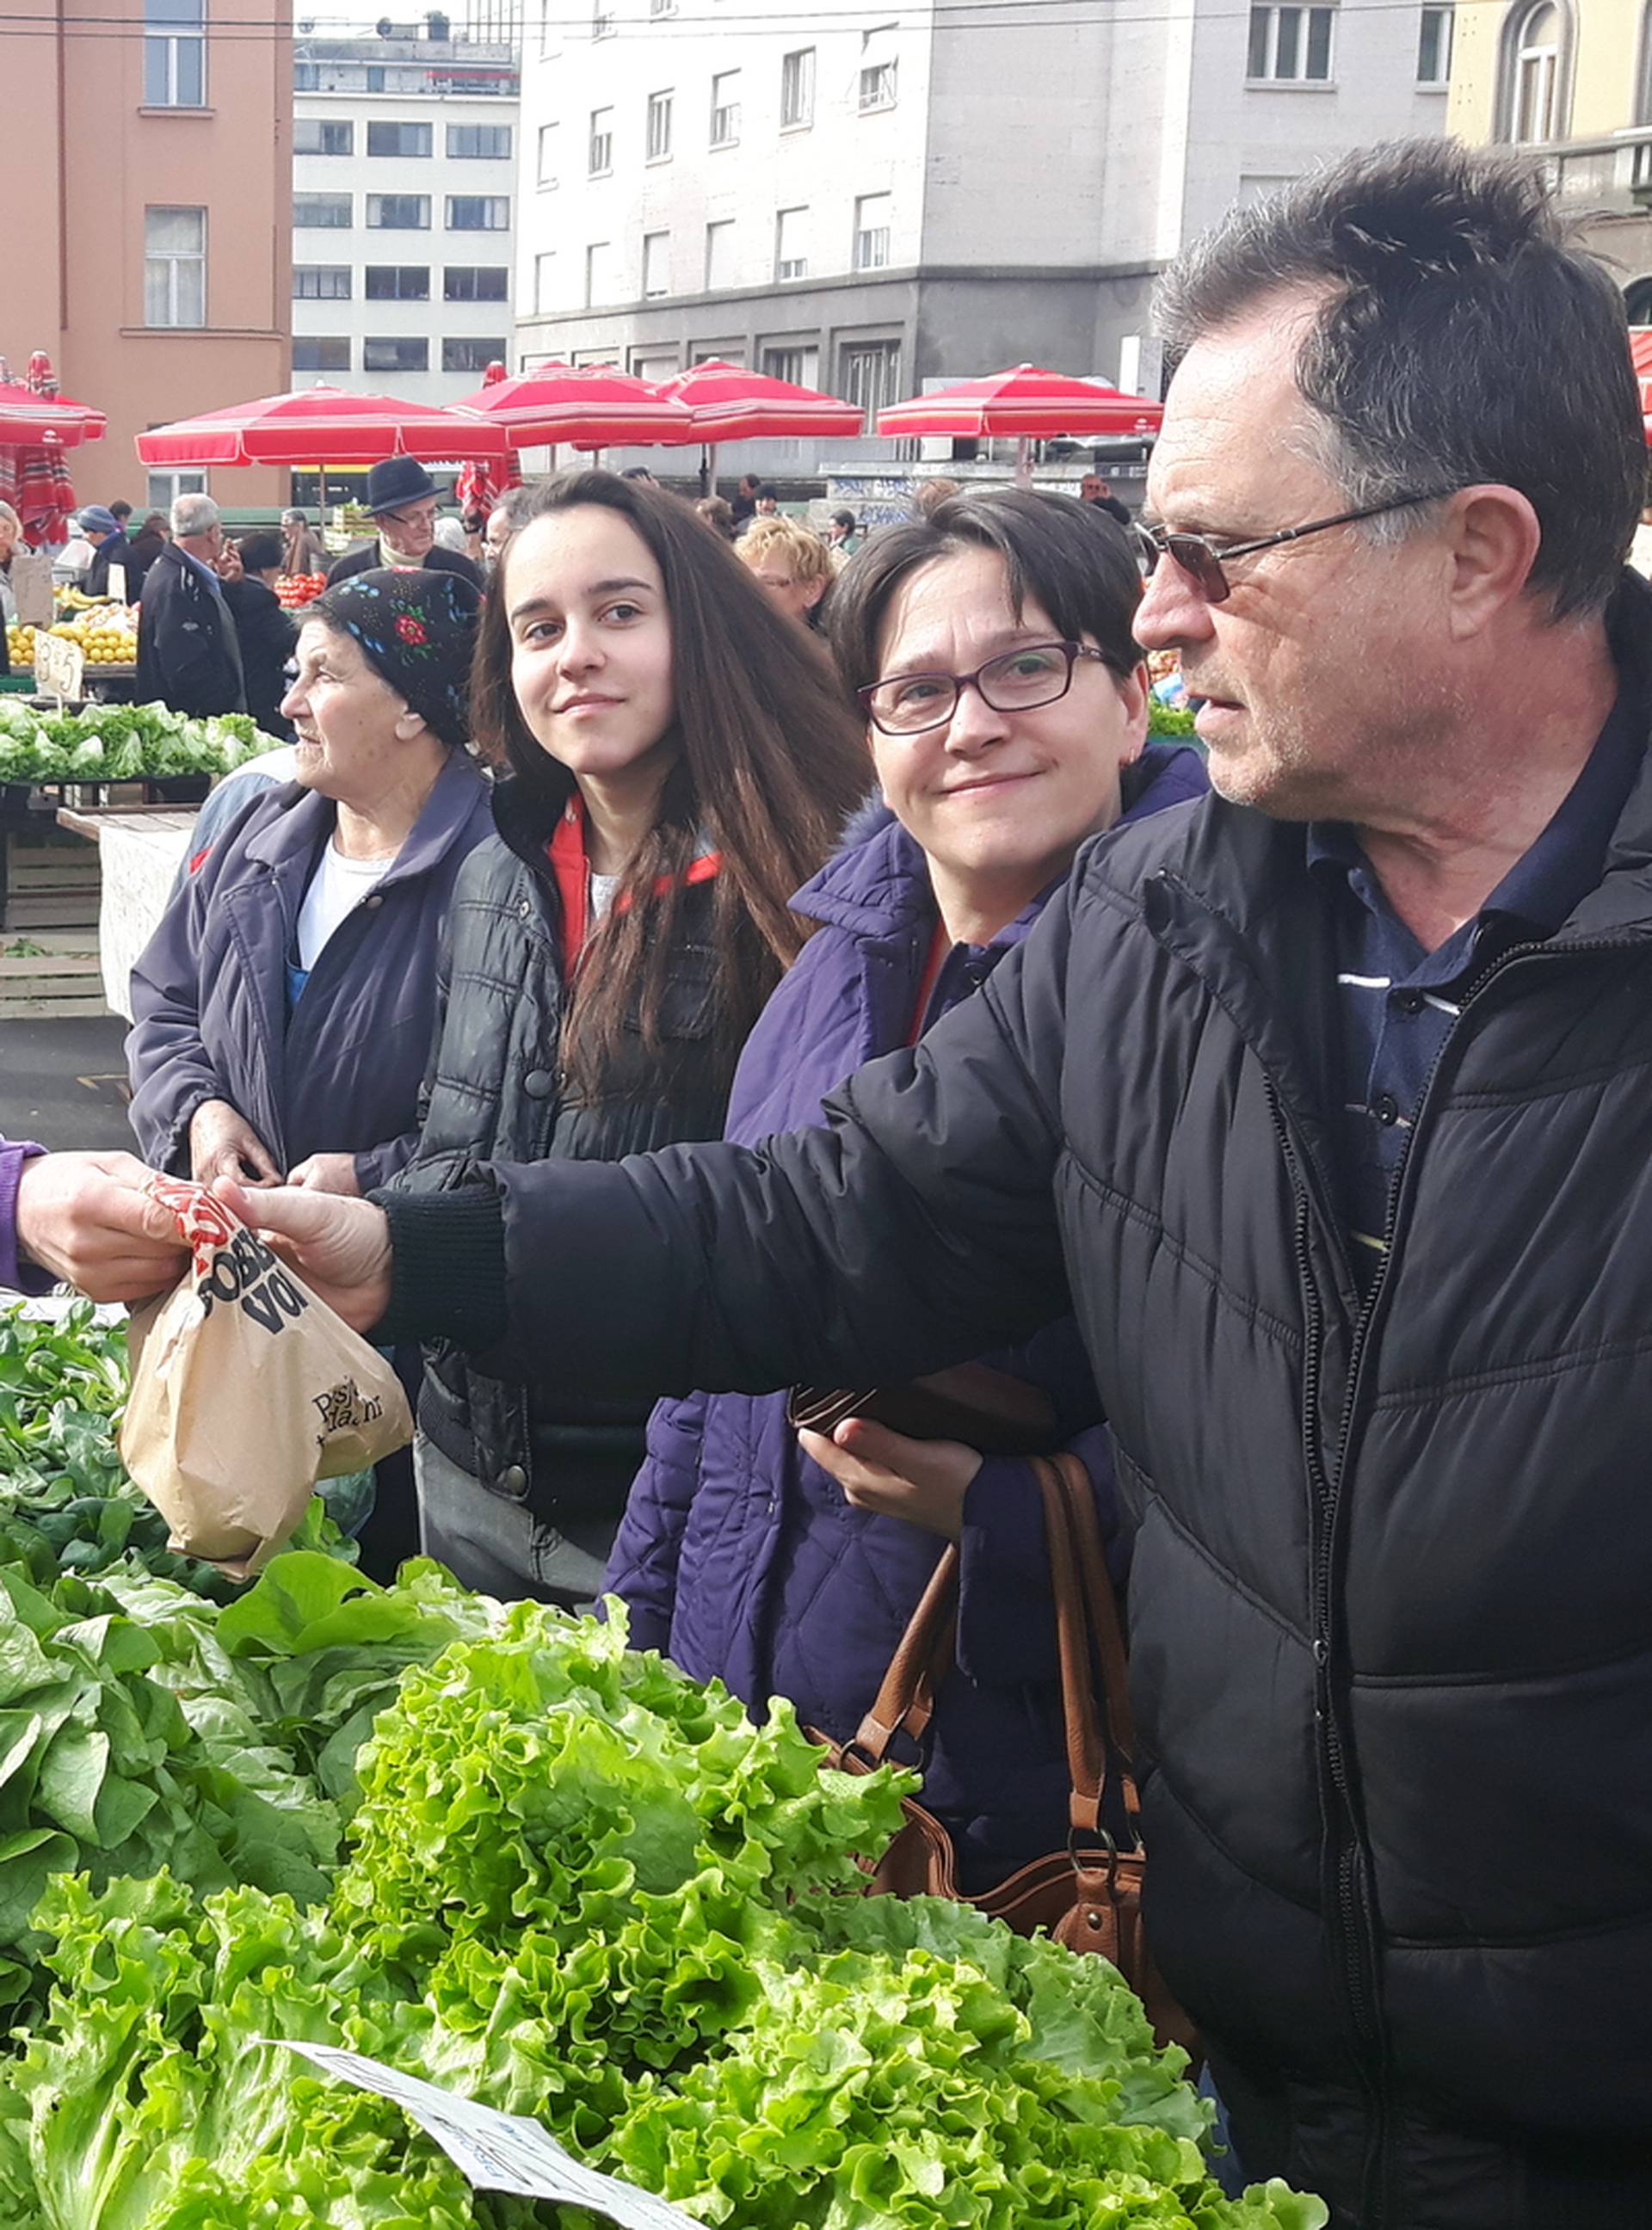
922 1481
223 1143
85 1217
230 565
327 1173
341 1249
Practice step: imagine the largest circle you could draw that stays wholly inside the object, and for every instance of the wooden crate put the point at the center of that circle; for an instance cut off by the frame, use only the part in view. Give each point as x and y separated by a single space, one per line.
48 984
52 886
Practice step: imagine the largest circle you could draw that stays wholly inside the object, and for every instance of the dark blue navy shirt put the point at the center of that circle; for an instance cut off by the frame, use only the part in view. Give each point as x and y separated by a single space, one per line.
1397 1003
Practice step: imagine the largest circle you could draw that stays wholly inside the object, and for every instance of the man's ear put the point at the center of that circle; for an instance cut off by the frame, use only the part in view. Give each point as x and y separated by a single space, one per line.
1492 539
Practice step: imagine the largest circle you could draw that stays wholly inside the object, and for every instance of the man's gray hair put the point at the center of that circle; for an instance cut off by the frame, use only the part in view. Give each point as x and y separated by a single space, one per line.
1462 338
194 514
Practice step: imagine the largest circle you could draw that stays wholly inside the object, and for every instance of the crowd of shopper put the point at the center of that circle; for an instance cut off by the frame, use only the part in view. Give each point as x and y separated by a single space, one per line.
1287 1135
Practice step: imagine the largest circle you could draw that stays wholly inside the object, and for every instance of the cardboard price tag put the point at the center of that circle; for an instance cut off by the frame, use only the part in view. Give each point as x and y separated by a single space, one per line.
59 665
496 2151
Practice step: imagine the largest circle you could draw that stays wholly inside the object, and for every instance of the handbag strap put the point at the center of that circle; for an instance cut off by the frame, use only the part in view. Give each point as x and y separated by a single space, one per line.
1086 1756
1106 1635
905 1701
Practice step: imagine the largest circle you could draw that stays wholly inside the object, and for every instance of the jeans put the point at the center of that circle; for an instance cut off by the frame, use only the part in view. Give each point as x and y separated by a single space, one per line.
500 1548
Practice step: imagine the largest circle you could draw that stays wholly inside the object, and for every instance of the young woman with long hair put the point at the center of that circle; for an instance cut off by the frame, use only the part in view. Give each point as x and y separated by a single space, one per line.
676 762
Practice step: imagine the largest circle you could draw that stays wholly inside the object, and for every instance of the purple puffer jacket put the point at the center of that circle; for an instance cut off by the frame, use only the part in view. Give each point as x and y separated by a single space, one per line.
14 1275
739 1557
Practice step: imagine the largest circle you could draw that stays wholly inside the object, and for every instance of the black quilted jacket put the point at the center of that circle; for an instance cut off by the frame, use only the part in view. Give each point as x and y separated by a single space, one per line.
495 1092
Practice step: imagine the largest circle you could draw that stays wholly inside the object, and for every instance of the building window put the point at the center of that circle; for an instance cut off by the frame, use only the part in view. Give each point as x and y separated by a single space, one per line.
398 212
868 373
479 143
165 489
547 154
599 151
478 212
1290 45
323 282
657 252
872 232
658 8
375 77
473 355
175 266
477 282
659 128
598 281
1434 46
396 352
545 281
321 352
720 255
313 136
398 282
174 53
798 90
726 109
878 68
323 212
602 21
1537 72
796 361
306 77
403 139
790 247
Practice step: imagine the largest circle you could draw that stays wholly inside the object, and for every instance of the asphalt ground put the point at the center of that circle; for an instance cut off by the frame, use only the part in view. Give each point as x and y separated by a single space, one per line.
64 1082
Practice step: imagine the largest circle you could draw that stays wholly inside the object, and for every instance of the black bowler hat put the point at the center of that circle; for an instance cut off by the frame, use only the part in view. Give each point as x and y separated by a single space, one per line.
396 481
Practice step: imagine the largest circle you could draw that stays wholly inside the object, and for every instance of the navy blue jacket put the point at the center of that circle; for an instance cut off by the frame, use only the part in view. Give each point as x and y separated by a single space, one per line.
209 992
738 1557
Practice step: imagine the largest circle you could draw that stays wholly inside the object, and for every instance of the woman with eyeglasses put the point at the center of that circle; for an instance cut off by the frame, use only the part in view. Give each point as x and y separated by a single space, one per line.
677 759
989 648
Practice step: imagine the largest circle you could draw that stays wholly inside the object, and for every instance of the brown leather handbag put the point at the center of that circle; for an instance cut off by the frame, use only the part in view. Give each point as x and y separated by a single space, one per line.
1088 1896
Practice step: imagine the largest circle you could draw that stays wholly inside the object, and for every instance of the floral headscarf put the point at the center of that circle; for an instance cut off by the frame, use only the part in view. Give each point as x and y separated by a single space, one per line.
419 630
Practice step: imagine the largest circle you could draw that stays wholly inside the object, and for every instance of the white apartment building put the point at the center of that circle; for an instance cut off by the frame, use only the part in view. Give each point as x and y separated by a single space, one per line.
404 155
876 208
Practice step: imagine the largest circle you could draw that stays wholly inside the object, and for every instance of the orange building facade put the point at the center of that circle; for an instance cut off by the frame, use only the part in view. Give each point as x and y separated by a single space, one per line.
148 219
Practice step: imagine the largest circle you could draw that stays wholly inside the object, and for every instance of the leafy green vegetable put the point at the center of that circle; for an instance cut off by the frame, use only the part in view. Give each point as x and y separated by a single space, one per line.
121 743
581 1887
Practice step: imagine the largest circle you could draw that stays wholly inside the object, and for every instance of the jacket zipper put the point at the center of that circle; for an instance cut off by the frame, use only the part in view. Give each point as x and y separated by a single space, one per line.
1357 1946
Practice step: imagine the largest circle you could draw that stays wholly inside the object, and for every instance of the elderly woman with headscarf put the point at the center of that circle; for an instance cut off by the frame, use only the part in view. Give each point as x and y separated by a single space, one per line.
284 1009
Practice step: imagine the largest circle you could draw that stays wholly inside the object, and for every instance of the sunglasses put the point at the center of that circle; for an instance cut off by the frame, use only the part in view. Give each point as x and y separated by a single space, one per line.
1203 562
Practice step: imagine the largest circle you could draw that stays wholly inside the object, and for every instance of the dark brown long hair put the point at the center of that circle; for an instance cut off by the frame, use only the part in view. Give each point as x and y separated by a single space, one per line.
771 759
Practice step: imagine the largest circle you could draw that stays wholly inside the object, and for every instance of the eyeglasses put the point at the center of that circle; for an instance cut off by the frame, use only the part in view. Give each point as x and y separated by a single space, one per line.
1015 681
1203 562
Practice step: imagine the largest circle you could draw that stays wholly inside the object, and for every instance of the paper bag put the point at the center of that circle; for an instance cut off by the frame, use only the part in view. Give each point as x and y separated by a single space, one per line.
246 1390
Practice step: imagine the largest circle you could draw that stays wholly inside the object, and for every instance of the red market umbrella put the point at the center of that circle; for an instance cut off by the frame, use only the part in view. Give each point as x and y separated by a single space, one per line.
320 424
596 406
729 404
28 418
1025 404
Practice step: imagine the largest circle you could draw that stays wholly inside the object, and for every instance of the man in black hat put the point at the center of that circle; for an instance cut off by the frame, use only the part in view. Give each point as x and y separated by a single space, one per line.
402 497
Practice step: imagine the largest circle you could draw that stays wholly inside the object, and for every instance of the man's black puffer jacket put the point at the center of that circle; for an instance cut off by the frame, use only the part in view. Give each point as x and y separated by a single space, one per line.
494 1092
1391 1623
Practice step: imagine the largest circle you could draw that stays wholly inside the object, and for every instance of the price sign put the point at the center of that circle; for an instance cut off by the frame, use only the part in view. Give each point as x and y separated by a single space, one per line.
59 665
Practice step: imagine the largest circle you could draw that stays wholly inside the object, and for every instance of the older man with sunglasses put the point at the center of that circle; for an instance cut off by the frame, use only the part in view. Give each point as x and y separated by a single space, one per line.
1326 1100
